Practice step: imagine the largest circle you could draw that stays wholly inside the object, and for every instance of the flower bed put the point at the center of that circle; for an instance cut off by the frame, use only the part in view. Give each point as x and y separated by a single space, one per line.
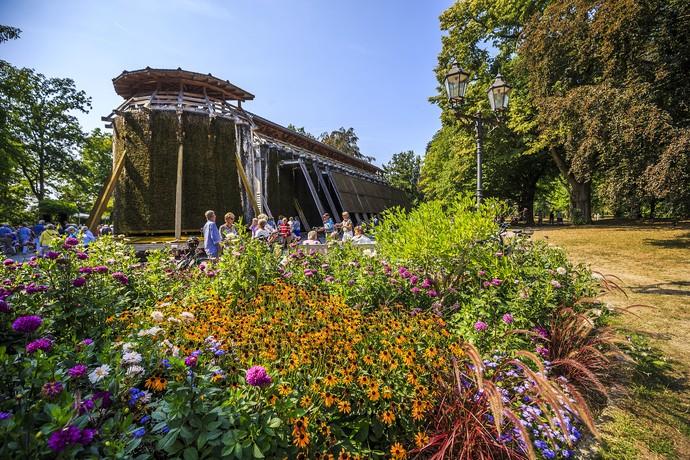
438 348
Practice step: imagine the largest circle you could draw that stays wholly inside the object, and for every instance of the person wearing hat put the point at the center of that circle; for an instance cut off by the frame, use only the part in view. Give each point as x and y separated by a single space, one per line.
328 226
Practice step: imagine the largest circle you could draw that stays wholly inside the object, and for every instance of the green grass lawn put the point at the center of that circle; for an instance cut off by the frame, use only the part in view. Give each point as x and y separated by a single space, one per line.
652 264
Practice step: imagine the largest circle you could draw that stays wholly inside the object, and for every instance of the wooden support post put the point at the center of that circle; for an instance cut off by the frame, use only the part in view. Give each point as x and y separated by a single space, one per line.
335 188
178 193
102 201
301 215
247 187
312 189
319 177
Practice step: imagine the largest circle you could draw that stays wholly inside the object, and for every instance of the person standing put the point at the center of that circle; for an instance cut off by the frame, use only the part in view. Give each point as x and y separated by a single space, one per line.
328 226
346 224
25 235
49 236
228 229
38 229
285 232
212 236
296 227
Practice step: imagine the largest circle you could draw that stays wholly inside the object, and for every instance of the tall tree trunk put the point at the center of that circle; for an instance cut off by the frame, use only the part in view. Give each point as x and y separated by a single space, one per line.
580 192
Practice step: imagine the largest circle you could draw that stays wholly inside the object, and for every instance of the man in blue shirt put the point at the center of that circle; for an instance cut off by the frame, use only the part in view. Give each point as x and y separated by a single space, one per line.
328 226
212 236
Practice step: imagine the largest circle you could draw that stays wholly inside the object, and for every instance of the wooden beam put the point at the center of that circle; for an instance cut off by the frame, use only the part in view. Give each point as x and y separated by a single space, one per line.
312 189
319 177
178 192
247 187
103 198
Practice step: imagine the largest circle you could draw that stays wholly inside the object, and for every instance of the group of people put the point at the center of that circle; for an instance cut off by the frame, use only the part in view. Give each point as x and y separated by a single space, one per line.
286 230
43 236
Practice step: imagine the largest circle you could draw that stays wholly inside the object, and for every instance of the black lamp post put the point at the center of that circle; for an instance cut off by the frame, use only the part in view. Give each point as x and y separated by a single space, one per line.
498 93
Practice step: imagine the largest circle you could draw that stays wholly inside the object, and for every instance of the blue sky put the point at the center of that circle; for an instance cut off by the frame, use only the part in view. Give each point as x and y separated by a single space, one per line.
314 63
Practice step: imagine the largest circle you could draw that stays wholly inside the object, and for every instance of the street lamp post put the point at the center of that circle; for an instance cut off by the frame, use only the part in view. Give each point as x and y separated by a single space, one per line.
498 94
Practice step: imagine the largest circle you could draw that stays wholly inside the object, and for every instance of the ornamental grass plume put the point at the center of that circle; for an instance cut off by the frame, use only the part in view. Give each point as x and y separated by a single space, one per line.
27 324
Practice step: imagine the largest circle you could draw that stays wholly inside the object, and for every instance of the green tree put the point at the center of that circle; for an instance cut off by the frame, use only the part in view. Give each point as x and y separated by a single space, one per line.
41 126
96 160
301 131
403 172
345 140
606 77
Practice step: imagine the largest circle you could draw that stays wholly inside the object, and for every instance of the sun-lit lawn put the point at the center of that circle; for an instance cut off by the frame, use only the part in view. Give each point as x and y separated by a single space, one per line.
652 263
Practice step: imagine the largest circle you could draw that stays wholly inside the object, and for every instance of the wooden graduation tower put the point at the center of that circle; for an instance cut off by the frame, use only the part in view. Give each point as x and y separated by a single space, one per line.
183 144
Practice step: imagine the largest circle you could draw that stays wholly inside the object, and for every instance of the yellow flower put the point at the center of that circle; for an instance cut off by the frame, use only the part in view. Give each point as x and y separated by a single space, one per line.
328 398
373 394
156 383
344 407
421 439
301 439
367 360
284 390
330 380
305 401
272 399
397 451
387 417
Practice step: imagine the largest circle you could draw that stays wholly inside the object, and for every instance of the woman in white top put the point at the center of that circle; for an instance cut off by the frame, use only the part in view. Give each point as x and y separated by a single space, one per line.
262 233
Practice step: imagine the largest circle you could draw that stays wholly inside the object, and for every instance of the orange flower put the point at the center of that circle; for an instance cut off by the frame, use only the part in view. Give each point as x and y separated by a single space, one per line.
330 380
373 394
301 439
344 407
421 439
156 383
328 398
398 452
387 417
284 390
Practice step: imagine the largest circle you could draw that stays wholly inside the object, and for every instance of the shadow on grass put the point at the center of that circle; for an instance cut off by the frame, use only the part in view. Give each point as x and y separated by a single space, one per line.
661 289
656 411
680 242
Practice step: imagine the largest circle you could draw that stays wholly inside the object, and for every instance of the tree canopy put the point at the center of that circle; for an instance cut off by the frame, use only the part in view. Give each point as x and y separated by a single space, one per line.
403 172
599 86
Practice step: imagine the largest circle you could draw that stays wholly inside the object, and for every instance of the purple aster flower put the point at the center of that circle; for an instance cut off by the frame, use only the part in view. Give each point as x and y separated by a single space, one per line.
87 342
85 270
508 318
51 389
329 278
8 262
84 406
496 282
548 453
543 333
480 326
82 255
481 273
72 241
308 272
101 269
4 308
78 371
486 284
415 290
44 344
27 324
86 436
79 282
63 438
426 284
190 361
105 397
432 293
52 255
414 279
256 376
555 284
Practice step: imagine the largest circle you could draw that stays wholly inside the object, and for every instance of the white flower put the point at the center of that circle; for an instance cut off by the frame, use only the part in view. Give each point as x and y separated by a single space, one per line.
186 316
134 371
561 271
99 373
152 331
128 346
157 316
131 357
174 320
166 344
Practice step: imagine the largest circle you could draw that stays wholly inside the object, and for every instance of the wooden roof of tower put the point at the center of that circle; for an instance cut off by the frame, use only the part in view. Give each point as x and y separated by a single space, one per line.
148 80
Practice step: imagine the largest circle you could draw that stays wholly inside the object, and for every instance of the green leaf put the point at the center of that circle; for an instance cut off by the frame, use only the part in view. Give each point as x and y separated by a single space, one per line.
257 452
201 440
275 422
190 453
